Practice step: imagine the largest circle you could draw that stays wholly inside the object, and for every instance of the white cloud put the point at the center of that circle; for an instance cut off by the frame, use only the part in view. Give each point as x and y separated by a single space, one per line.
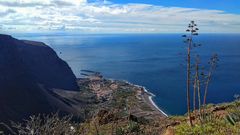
106 17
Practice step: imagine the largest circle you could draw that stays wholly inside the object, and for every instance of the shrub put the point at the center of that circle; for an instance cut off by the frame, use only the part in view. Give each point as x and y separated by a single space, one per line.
214 127
46 125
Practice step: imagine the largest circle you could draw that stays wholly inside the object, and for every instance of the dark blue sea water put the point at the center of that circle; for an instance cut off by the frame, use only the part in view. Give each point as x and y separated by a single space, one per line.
152 60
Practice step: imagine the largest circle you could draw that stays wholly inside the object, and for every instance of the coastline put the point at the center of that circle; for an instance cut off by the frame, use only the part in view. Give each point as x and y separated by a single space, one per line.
148 96
154 104
143 94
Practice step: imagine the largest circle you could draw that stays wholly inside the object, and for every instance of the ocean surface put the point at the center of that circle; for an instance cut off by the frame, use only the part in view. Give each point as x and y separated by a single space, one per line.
156 61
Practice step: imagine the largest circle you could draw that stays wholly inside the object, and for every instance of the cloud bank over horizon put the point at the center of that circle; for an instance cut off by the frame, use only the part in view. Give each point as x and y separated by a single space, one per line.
106 17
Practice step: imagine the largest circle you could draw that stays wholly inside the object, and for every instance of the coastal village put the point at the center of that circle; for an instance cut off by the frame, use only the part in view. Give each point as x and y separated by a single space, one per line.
138 99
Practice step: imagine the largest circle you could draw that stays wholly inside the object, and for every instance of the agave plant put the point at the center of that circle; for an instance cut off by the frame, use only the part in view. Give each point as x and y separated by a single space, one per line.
233 117
192 30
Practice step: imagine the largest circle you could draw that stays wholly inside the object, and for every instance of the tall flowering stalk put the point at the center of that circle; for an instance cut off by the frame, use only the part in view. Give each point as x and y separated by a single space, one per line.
192 31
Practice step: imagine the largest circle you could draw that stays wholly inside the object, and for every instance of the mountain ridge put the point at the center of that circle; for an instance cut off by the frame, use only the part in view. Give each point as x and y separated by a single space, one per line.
29 71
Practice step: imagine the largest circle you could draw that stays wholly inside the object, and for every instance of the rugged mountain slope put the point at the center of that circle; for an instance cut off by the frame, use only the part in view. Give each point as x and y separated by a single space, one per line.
47 68
28 72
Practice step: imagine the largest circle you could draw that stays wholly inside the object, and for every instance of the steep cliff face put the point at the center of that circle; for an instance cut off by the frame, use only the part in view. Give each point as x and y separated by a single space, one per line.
28 71
46 67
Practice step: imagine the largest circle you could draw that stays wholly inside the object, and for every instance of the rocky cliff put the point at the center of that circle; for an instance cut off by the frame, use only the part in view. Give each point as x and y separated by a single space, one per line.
28 73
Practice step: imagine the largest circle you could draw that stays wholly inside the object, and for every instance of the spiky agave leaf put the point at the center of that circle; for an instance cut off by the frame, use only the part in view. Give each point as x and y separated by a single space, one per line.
230 119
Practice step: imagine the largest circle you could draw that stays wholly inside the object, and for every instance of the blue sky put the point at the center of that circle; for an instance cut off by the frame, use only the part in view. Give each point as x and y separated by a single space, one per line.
232 6
119 16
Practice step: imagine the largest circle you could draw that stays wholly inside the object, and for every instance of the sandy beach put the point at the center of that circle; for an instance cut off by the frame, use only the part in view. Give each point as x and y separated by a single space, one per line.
147 97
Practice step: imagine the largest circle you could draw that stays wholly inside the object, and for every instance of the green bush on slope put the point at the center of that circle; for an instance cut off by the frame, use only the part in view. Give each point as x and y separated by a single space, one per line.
228 124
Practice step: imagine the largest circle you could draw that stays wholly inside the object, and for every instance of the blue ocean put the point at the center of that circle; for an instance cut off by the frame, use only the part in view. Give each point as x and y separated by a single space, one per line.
156 61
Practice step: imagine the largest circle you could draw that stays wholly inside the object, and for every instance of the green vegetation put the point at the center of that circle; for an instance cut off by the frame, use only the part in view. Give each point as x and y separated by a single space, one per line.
121 98
223 120
215 127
